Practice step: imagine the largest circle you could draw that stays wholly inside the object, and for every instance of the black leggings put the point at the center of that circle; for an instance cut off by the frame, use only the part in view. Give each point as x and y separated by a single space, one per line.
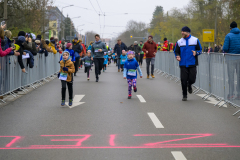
141 59
98 65
76 64
87 70
70 89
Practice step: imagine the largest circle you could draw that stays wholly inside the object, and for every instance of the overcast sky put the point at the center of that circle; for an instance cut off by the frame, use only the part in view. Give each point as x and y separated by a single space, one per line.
115 19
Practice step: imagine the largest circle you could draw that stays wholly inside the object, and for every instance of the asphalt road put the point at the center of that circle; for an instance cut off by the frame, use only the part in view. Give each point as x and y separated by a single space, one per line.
108 126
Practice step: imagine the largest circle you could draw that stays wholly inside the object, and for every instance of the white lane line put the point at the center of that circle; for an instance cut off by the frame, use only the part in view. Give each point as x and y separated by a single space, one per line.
77 98
155 120
141 98
178 155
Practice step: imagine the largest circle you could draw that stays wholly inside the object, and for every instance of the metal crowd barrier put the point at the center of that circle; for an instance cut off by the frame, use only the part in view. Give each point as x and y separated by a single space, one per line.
12 77
218 75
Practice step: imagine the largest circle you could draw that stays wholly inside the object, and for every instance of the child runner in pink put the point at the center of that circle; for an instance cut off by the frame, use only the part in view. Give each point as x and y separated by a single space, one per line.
130 73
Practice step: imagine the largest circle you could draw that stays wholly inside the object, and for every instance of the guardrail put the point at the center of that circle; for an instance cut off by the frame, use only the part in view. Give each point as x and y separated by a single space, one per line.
12 77
218 75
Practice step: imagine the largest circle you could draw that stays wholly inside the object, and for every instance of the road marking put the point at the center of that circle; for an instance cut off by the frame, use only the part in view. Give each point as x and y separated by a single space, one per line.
178 155
155 120
141 98
76 101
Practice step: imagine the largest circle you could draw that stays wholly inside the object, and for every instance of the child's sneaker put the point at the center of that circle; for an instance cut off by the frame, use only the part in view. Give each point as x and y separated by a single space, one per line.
103 70
70 102
88 78
63 103
129 96
135 89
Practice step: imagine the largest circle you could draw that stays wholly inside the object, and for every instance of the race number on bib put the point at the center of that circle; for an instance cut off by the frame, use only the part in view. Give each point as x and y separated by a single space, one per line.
132 72
63 76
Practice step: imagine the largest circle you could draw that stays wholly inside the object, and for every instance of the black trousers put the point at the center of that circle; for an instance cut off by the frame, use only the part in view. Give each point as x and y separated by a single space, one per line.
188 77
141 59
76 64
87 70
70 89
98 65
105 66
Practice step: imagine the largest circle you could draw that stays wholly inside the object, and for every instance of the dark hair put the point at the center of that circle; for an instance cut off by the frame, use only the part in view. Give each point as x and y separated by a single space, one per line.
97 35
2 33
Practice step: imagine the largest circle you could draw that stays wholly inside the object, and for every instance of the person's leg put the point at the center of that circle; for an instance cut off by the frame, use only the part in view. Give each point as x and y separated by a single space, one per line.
141 59
134 83
129 87
96 62
88 72
184 79
70 90
118 63
122 65
148 64
238 78
192 75
76 65
152 65
64 83
101 61
85 69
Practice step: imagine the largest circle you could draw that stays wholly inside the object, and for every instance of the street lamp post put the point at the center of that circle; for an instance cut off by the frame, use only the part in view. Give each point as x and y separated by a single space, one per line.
62 30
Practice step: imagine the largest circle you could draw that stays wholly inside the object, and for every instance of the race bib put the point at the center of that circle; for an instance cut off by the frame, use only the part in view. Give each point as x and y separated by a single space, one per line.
123 60
132 72
88 63
96 49
63 76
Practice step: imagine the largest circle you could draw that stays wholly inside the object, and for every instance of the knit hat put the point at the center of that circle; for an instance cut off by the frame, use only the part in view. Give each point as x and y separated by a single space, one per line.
47 42
68 45
21 39
130 52
37 41
135 42
233 25
186 29
150 36
21 33
39 37
52 40
165 39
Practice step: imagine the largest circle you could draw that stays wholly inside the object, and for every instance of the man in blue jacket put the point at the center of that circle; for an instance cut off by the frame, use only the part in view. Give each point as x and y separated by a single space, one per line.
187 50
118 49
232 46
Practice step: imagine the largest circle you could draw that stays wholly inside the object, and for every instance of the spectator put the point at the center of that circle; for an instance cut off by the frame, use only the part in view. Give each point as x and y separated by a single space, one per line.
52 45
165 45
8 43
220 48
7 51
29 43
216 49
20 42
232 46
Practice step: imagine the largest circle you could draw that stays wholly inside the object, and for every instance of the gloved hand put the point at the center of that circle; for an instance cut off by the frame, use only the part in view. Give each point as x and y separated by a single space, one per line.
65 69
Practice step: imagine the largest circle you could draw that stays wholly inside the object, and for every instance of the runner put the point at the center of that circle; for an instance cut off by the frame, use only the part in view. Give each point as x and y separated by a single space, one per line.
118 50
141 54
150 48
98 49
187 50
137 51
77 49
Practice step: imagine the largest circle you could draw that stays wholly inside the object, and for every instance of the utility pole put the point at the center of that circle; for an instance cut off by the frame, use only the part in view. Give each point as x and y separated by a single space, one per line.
215 36
5 12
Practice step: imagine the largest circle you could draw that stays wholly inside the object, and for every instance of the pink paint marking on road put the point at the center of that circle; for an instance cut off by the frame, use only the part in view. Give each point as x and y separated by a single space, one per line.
13 141
174 140
78 144
112 140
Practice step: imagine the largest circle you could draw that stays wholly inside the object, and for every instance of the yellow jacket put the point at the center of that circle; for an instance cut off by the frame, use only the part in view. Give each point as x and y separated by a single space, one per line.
52 47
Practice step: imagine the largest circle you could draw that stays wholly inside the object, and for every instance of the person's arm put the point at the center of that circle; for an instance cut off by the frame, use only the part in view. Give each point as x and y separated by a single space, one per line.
34 49
144 49
27 46
226 44
4 53
198 48
104 48
140 71
73 56
177 50
156 49
92 51
71 69
20 61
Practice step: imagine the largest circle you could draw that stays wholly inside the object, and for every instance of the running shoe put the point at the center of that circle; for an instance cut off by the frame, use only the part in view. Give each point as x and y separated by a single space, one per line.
135 89
152 75
129 96
63 103
190 89
184 98
70 102
147 76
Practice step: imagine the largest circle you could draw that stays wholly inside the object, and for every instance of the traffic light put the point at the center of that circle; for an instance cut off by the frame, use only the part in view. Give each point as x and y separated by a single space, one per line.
131 36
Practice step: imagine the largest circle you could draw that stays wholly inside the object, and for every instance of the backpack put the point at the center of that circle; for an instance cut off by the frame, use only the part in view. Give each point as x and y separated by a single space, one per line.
30 61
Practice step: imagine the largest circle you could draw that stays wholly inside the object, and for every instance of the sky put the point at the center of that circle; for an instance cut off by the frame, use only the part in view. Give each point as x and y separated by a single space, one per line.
115 19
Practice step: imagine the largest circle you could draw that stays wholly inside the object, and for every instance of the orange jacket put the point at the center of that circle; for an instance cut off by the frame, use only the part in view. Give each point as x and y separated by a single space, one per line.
83 50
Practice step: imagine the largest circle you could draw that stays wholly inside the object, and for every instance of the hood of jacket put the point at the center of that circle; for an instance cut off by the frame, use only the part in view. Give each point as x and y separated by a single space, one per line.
75 43
235 31
98 42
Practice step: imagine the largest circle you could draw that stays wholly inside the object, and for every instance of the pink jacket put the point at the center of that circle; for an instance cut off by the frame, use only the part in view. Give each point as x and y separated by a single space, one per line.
4 53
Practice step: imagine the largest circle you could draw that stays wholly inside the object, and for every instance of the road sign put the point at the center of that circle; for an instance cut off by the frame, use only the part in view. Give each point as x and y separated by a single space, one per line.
208 35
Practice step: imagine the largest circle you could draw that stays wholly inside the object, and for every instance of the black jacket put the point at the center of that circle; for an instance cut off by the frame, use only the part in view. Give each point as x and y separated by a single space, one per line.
137 49
21 53
76 47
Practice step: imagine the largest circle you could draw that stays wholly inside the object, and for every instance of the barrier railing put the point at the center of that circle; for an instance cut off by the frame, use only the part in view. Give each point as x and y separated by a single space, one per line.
12 77
218 75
